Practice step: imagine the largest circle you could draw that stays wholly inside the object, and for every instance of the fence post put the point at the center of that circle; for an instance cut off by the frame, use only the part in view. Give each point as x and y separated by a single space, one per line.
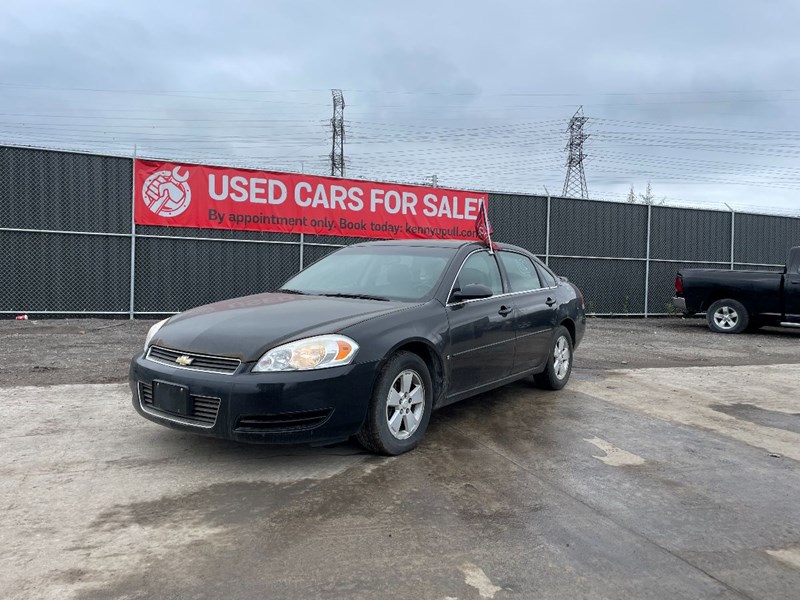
647 264
733 236
547 236
302 239
133 234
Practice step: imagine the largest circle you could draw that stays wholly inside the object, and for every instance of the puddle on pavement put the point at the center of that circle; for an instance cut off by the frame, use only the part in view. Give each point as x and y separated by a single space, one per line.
761 416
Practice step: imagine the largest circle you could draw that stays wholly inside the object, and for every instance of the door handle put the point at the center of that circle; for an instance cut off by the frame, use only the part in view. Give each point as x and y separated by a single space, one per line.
504 311
549 302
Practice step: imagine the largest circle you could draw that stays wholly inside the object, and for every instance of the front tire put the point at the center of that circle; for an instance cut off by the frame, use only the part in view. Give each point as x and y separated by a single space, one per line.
559 362
401 406
727 316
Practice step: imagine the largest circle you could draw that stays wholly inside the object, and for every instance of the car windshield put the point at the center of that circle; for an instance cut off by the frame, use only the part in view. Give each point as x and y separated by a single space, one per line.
374 272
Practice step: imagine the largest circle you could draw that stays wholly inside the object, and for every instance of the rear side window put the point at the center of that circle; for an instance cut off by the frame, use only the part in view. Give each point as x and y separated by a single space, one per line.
522 275
480 268
547 277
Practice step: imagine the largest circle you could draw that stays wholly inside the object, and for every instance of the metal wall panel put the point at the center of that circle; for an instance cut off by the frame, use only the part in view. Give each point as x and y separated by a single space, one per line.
592 228
174 274
519 220
57 272
764 238
608 286
217 234
43 189
687 234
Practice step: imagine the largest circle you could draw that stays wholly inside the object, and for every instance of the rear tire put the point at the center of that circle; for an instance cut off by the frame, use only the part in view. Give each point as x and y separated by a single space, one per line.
727 316
559 362
401 406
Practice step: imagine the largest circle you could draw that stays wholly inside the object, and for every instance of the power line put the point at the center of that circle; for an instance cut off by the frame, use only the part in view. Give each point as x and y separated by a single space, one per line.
473 150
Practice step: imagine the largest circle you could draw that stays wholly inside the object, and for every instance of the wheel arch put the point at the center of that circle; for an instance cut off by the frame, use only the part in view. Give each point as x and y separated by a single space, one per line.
727 294
430 355
569 324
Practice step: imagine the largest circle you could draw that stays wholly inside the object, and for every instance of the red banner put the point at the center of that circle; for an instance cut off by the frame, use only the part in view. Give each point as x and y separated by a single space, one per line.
178 195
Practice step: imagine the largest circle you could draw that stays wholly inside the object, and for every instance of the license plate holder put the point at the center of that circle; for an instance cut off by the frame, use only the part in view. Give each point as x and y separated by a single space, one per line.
172 398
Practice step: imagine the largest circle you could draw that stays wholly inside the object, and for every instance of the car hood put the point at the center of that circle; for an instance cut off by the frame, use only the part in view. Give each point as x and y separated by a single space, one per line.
247 327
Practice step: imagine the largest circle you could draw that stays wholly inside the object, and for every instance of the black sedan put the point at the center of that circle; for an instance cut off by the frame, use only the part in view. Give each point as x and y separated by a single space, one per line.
367 341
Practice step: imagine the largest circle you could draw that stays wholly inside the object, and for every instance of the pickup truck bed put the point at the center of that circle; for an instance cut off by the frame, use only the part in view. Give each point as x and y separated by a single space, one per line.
738 300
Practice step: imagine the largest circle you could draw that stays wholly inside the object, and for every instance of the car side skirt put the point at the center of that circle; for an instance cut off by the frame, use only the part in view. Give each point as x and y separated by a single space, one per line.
488 387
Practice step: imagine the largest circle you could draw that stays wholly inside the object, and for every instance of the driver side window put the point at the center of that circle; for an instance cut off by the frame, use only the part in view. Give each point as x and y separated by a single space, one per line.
481 268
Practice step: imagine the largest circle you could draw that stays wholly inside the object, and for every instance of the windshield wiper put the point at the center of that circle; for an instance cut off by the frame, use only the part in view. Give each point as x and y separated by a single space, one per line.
288 291
358 296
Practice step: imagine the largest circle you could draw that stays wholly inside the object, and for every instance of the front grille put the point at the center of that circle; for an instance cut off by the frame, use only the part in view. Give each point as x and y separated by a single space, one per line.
199 362
283 421
204 409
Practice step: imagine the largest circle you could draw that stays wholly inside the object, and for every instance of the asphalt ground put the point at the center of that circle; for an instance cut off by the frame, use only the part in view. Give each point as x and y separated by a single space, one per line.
668 468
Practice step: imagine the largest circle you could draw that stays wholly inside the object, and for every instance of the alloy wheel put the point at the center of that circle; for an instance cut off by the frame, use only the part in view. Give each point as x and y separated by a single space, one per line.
405 404
726 317
561 357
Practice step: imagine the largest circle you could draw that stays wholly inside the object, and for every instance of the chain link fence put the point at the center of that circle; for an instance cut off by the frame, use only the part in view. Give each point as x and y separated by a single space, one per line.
68 245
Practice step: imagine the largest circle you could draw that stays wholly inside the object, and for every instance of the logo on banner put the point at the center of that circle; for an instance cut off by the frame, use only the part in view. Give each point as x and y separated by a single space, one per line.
167 193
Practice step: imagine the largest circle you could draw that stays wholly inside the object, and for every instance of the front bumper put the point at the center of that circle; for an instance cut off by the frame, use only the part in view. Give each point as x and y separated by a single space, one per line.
310 407
679 304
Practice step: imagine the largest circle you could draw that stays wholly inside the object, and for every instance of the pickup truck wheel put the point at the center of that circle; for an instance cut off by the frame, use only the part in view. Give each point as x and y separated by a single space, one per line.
727 316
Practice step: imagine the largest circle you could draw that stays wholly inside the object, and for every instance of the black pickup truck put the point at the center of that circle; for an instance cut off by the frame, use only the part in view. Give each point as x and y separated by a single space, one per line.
735 301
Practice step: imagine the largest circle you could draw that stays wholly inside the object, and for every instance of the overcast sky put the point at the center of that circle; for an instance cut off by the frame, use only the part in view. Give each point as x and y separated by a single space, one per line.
700 98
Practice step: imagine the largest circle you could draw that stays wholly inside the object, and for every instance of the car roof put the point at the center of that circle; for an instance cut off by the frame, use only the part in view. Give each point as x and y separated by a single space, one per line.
418 243
424 243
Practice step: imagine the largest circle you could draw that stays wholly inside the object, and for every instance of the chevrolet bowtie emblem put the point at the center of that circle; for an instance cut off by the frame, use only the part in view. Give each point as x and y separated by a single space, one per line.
184 360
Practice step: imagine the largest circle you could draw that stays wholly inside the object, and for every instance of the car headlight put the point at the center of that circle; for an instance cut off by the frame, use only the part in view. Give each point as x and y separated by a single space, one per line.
320 352
152 332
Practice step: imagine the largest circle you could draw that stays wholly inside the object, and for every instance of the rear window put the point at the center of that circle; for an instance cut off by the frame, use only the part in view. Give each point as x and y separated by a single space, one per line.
547 277
522 275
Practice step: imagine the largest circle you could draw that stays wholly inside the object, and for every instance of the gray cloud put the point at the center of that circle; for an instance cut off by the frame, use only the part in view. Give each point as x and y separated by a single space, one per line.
476 93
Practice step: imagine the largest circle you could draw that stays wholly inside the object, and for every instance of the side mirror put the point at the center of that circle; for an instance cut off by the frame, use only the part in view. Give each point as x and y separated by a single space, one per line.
471 291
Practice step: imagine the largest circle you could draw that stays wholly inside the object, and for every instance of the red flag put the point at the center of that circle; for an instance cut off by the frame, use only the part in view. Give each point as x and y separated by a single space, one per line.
484 229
